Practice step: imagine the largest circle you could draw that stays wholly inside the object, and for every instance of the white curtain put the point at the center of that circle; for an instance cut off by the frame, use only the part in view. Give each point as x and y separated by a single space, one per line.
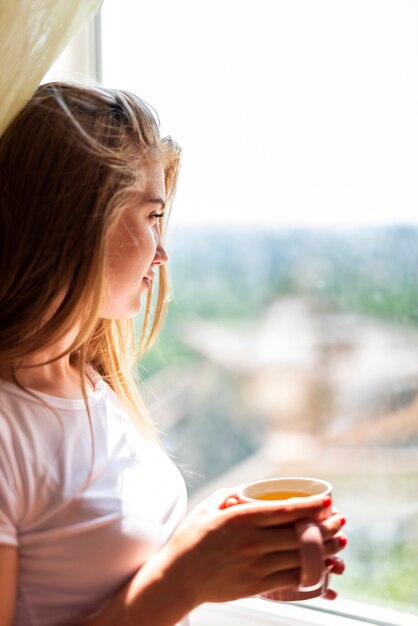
32 35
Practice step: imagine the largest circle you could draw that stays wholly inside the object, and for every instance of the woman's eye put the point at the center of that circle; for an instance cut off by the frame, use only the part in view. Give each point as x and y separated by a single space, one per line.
157 216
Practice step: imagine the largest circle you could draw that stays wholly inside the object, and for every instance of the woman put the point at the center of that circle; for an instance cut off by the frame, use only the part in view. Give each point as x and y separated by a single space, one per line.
91 509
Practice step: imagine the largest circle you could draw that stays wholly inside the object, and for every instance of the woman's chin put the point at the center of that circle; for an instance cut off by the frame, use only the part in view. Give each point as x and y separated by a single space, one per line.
127 312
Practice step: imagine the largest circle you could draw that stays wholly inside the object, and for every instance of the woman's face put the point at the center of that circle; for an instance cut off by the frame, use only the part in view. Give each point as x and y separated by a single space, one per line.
135 249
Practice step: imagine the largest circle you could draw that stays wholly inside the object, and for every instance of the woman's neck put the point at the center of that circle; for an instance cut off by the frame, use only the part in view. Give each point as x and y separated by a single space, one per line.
59 378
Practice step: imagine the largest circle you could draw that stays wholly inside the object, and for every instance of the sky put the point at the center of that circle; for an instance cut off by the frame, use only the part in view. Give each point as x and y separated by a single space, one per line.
289 112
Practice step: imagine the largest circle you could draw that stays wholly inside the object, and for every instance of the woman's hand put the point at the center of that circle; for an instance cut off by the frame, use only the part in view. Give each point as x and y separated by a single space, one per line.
220 553
335 565
330 528
223 552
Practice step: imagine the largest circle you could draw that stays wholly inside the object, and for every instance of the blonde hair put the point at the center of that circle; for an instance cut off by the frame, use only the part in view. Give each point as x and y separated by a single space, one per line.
69 162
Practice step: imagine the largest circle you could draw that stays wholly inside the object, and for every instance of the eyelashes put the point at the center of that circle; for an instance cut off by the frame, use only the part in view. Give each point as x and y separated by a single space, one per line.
157 216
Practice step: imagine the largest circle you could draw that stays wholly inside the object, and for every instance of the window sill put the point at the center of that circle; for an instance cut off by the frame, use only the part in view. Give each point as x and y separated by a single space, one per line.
252 611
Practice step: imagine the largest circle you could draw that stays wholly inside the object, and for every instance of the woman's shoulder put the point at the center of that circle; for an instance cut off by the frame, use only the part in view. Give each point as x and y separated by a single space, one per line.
33 423
12 404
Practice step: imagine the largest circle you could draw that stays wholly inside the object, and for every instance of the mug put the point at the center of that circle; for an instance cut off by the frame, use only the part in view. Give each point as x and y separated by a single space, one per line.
314 575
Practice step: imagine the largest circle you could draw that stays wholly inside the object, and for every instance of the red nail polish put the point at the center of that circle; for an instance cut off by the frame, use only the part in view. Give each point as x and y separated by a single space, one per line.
343 541
343 521
329 562
327 502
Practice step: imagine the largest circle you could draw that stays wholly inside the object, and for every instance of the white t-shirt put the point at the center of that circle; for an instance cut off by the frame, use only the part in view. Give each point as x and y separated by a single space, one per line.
76 550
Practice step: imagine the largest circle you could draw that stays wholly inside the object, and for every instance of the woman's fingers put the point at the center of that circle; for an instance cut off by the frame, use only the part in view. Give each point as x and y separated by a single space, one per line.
272 514
329 594
335 565
334 545
279 562
283 538
283 543
271 540
230 501
332 525
219 498
290 578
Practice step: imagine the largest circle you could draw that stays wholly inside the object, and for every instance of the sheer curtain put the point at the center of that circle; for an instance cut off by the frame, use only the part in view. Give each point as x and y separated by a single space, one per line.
32 35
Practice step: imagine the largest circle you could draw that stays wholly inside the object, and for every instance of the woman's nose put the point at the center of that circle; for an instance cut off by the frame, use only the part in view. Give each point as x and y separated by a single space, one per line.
161 255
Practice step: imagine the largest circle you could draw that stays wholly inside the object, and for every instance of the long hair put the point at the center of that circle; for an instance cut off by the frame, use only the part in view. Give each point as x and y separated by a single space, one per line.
69 163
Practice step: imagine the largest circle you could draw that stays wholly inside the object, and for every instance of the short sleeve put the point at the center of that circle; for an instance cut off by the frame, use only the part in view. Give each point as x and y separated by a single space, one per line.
9 487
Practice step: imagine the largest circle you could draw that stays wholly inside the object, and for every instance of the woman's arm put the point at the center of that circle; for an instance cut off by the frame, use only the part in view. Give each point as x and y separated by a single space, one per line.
8 583
218 554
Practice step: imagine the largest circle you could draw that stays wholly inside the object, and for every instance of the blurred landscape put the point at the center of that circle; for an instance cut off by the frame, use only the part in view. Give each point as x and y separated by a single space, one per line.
296 353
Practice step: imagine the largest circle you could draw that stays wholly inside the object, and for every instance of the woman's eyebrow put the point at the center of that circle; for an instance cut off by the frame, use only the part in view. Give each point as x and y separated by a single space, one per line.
159 201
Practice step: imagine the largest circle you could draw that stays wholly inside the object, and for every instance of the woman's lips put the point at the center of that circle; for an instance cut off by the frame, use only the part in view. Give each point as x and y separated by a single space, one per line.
147 282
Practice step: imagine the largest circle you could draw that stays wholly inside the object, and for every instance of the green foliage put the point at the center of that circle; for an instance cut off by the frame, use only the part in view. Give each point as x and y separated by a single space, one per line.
381 571
230 274
235 274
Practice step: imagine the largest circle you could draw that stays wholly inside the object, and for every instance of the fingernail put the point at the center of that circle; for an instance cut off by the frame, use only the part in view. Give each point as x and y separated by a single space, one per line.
329 562
343 521
343 541
327 502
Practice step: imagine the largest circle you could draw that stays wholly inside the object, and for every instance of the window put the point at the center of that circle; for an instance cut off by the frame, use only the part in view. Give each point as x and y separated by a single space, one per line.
291 347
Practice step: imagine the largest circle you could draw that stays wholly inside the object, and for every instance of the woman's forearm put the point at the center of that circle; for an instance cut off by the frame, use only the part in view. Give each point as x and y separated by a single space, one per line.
217 555
154 597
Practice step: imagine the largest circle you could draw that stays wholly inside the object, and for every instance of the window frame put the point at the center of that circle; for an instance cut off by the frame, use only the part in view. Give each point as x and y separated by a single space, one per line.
82 58
252 611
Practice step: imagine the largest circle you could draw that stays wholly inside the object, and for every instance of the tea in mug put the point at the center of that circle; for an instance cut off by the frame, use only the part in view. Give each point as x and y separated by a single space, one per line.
282 495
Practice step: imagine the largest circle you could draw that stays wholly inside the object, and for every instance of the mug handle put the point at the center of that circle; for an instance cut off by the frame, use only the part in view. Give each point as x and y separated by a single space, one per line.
312 555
